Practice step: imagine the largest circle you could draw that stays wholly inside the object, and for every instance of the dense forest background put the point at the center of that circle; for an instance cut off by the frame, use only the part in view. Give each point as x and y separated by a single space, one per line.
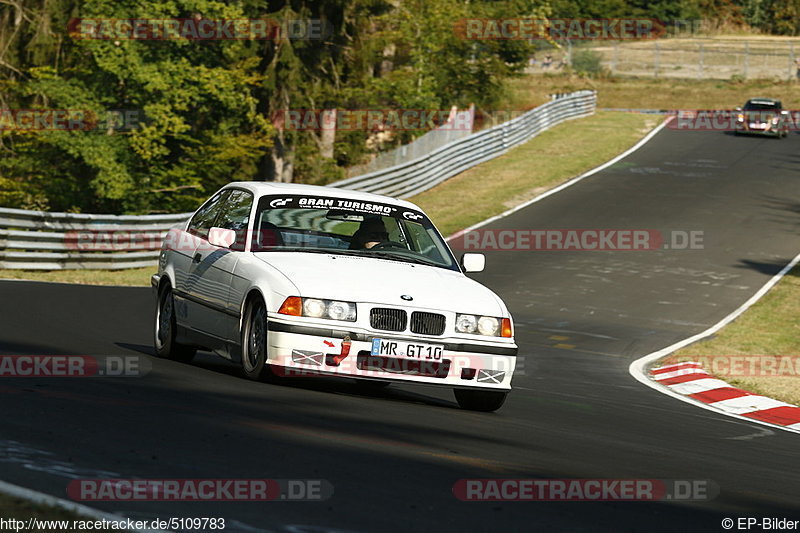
208 107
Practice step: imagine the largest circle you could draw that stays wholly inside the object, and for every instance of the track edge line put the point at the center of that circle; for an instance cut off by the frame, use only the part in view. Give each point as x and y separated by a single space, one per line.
41 498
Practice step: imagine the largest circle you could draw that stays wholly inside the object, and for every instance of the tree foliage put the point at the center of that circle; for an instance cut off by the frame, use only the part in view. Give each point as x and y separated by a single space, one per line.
207 109
195 102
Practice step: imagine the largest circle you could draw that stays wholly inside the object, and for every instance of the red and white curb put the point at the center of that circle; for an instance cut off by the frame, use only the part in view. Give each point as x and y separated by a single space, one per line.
639 368
689 379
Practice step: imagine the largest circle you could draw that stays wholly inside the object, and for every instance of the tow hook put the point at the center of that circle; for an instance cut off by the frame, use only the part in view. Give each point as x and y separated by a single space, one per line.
345 351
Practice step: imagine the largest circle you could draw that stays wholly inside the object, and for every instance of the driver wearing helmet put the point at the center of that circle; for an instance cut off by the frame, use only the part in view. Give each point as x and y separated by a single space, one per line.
371 232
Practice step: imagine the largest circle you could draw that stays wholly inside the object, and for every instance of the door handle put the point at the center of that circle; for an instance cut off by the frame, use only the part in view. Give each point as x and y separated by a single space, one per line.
197 258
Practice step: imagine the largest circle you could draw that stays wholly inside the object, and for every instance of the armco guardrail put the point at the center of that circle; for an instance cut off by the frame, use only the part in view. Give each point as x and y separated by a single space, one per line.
37 240
415 176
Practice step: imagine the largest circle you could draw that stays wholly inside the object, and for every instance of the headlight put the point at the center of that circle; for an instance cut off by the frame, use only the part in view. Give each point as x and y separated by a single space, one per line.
341 310
313 307
317 308
488 325
483 325
466 323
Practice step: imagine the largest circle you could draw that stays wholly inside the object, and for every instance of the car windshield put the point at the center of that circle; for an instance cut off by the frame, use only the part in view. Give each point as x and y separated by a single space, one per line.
761 106
348 227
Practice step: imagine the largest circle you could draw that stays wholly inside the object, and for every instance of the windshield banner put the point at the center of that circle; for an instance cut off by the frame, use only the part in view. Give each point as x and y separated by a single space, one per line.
346 205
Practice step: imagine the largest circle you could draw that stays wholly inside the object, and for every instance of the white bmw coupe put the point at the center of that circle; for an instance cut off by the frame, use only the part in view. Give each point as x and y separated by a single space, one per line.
299 280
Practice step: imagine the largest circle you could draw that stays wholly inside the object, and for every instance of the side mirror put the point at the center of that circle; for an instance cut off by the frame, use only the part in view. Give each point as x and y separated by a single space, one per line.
473 262
221 237
738 109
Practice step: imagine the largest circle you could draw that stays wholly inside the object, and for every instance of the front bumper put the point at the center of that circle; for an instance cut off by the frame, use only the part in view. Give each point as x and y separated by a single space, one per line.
303 350
751 128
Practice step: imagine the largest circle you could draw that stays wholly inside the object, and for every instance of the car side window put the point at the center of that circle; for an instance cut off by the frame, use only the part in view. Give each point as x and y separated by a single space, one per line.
203 220
235 215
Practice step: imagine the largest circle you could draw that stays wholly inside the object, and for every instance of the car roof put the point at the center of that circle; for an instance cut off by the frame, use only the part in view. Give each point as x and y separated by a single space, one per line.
261 188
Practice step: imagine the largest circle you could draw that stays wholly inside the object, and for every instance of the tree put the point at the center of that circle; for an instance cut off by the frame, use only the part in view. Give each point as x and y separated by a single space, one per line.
199 124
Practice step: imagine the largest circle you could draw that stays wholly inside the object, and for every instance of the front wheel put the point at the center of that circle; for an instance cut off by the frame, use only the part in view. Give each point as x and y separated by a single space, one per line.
480 400
164 331
254 342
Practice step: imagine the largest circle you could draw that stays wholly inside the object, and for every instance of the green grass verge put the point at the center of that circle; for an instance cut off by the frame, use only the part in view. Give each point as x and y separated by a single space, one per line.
132 277
20 509
770 328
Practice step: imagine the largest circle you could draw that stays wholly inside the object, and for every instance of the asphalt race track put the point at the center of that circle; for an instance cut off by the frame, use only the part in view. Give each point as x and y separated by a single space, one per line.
393 456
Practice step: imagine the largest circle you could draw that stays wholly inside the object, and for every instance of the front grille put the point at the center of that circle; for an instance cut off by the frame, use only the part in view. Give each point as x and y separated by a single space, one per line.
388 319
427 323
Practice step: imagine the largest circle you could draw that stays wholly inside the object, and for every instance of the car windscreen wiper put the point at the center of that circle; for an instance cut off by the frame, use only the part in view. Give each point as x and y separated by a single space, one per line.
396 257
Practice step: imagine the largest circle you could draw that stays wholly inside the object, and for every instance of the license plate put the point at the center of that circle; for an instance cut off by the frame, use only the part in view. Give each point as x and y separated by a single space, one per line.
757 126
411 350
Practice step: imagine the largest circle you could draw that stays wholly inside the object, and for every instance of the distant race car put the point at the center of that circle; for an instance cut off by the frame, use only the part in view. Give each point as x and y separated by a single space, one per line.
299 280
762 116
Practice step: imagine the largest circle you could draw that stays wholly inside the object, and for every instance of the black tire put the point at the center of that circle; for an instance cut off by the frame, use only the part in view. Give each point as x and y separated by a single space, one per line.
480 400
254 342
164 330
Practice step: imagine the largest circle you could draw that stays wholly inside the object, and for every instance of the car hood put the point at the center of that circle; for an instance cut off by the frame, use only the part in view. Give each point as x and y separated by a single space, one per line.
763 116
373 280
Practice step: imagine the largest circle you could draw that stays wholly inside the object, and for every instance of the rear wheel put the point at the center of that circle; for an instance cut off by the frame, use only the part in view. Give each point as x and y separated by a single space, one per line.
480 400
254 342
164 331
